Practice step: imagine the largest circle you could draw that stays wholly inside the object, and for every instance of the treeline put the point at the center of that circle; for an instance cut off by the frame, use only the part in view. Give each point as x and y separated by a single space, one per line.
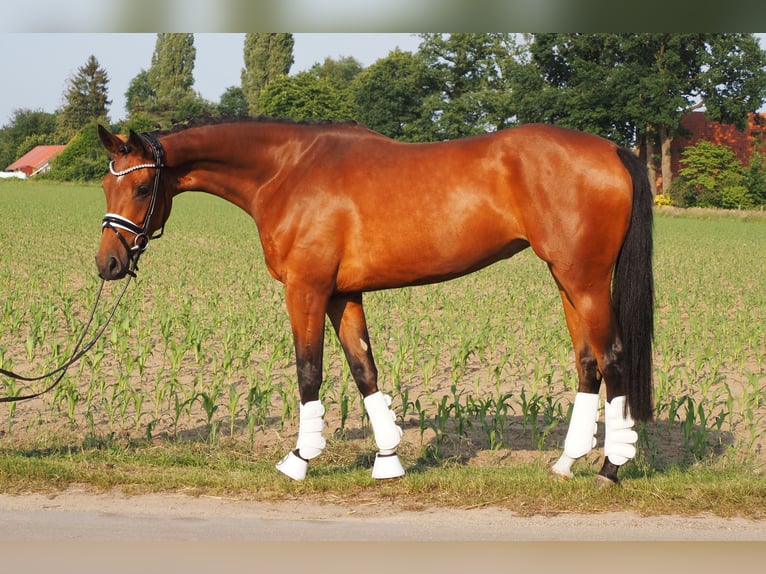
631 88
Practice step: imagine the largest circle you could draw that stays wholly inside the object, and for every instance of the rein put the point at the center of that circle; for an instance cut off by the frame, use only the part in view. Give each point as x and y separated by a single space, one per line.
77 353
115 222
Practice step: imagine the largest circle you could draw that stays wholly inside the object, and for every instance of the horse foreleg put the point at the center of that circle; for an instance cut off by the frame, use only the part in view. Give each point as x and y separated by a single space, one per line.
347 316
306 310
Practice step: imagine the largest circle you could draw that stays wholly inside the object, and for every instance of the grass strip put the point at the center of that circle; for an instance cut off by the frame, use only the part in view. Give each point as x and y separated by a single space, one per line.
726 489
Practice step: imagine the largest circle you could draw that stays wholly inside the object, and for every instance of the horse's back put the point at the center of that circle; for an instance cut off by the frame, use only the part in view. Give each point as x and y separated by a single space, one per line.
390 214
553 188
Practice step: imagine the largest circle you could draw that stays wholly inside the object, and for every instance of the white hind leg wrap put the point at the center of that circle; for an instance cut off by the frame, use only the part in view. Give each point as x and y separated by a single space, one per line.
581 436
620 439
383 420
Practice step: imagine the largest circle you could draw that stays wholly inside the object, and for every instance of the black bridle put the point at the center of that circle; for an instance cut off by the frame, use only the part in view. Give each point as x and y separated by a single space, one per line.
115 222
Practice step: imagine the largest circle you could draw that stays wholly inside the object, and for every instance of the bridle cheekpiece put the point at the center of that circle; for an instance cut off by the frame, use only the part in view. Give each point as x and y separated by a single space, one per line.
117 222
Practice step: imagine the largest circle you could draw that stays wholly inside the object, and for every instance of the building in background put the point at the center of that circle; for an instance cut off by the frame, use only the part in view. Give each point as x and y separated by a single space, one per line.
742 142
37 160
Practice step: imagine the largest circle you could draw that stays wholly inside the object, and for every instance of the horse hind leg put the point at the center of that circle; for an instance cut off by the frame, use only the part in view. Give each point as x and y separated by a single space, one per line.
599 352
583 422
619 437
347 316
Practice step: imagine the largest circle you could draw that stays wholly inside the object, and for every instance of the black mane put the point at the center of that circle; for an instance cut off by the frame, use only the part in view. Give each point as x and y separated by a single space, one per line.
212 119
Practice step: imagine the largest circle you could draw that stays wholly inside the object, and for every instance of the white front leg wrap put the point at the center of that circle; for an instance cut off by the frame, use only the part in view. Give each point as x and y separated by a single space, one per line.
311 443
581 436
620 438
383 420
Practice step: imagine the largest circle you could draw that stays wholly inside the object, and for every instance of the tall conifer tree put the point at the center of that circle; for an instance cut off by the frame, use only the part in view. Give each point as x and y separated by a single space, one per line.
86 98
171 74
267 57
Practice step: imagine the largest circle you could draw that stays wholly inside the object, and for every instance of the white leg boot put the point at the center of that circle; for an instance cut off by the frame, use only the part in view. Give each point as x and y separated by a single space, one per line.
387 436
310 443
581 436
620 440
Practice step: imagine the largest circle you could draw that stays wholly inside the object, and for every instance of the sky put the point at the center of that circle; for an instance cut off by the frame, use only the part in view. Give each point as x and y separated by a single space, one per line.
36 66
36 75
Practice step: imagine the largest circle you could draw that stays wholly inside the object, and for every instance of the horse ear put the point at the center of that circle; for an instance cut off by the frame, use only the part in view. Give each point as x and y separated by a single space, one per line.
136 142
110 141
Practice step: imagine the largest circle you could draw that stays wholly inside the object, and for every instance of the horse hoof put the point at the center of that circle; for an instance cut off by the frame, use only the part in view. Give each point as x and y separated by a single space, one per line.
563 467
605 482
293 466
559 475
387 466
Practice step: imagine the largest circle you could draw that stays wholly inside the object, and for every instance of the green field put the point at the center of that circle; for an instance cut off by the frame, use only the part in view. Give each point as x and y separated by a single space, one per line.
480 368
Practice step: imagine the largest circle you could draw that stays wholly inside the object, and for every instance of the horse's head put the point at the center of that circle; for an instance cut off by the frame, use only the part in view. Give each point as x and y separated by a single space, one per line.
137 201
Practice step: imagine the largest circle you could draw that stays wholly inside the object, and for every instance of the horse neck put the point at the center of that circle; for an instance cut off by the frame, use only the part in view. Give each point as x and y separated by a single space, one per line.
232 161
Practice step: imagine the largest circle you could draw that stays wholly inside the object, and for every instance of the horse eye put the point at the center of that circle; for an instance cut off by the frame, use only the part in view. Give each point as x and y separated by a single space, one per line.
142 190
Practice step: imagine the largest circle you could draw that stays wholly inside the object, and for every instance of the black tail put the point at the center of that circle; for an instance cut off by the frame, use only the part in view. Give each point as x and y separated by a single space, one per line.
633 292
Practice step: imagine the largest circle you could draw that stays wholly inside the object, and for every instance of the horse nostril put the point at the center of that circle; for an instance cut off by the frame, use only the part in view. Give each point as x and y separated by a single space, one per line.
111 268
115 269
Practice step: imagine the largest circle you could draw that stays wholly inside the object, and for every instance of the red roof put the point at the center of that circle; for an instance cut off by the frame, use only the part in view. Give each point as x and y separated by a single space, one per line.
35 159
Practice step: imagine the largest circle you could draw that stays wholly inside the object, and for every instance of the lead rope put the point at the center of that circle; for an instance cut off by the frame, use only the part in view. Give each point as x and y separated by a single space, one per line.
77 352
110 220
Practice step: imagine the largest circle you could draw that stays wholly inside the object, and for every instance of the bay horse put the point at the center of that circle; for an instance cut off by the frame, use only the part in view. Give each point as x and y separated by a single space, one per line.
342 210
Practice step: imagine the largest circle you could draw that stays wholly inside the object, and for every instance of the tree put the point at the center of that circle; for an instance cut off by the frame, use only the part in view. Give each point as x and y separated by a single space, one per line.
469 84
233 102
171 75
340 72
755 177
734 83
195 106
163 94
82 159
305 97
711 176
267 57
635 88
26 129
389 95
565 83
86 98
321 93
140 95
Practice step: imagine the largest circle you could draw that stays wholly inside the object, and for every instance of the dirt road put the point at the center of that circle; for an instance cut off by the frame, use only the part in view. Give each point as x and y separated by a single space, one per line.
80 532
74 515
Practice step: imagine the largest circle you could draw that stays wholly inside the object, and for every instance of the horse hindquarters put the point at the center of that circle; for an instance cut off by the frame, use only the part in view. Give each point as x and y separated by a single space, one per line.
611 325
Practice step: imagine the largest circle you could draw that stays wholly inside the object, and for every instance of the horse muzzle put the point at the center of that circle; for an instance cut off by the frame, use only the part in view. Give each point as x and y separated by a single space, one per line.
111 267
